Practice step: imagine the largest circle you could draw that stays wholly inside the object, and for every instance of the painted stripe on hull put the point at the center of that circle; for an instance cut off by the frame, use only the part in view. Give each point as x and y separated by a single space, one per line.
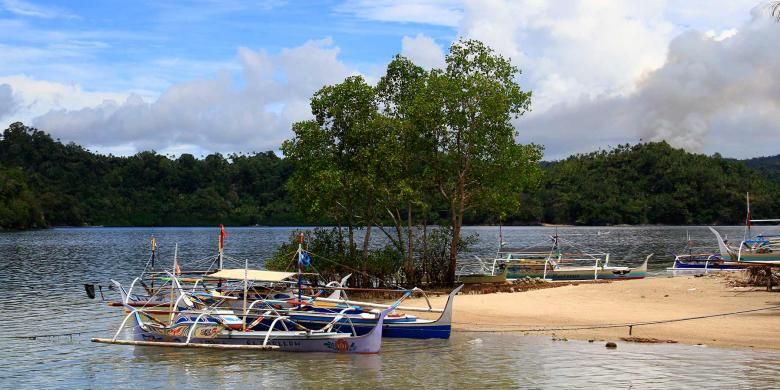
400 330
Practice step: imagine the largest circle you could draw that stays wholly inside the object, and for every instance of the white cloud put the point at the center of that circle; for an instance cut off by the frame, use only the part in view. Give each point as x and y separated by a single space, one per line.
24 8
435 12
712 95
423 51
581 49
8 102
36 97
209 114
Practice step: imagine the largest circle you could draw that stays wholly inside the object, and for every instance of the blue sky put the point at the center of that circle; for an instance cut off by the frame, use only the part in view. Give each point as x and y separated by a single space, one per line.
231 76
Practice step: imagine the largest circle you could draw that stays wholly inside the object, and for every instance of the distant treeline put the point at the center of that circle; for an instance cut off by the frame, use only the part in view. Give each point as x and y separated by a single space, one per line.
44 182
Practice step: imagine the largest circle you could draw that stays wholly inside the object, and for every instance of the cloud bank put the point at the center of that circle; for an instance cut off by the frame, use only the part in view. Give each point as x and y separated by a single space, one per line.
8 102
602 73
713 93
216 114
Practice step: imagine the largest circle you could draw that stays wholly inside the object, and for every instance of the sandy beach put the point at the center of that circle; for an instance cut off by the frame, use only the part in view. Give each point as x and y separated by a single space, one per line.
546 311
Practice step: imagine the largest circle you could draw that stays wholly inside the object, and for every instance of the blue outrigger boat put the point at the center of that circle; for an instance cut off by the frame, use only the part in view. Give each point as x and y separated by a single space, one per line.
701 261
706 262
360 320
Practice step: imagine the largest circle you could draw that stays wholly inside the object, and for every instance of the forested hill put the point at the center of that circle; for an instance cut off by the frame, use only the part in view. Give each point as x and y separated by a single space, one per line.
767 166
46 183
651 183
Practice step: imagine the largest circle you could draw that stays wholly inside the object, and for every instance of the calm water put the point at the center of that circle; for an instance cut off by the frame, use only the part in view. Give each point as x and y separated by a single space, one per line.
59 261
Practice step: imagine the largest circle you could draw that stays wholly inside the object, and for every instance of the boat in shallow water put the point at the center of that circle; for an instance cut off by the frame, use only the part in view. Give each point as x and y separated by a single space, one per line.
758 249
205 328
556 264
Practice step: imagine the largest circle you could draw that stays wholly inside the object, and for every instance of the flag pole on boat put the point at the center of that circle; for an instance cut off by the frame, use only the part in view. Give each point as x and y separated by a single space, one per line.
173 276
747 217
246 281
221 243
300 262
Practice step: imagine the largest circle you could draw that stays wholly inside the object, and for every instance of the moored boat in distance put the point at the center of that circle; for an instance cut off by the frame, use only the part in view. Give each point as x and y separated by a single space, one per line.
702 263
557 265
700 260
759 249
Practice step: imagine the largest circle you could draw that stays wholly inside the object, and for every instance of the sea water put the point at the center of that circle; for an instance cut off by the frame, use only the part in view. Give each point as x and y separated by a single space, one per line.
42 275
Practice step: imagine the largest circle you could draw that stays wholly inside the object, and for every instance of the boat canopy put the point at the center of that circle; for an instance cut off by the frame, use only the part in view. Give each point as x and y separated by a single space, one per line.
252 274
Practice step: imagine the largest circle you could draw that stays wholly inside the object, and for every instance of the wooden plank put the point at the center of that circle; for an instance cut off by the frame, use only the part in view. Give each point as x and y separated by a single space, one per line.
183 345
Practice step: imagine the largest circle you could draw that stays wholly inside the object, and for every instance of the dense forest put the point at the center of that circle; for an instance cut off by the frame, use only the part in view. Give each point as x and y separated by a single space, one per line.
44 182
651 183
767 166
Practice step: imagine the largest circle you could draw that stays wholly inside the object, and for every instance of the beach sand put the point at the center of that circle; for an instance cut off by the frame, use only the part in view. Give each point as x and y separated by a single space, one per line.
632 301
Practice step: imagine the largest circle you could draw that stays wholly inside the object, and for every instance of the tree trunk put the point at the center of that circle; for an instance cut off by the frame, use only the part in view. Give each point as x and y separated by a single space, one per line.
457 207
366 240
408 266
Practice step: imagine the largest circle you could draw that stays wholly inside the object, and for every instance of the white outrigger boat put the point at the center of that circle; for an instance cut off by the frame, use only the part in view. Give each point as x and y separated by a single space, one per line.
758 249
211 329
221 327
553 265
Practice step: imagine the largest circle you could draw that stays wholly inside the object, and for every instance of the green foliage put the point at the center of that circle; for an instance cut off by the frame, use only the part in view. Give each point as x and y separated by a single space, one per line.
476 162
47 183
19 209
767 166
417 140
331 259
652 183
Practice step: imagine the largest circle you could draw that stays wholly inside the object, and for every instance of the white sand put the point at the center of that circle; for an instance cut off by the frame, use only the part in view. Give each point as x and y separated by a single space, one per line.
632 301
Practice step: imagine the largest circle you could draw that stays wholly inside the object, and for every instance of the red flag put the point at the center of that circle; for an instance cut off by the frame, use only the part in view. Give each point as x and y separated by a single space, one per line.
177 270
222 236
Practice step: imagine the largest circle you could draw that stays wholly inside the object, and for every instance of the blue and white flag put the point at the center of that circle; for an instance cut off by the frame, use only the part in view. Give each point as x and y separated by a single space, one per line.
304 259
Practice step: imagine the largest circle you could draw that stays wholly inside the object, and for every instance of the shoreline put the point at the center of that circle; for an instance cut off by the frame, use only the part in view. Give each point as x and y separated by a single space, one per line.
604 311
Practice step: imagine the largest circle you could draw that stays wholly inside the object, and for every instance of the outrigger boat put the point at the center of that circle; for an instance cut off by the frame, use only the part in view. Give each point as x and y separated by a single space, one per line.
556 265
279 294
700 262
761 248
215 328
356 316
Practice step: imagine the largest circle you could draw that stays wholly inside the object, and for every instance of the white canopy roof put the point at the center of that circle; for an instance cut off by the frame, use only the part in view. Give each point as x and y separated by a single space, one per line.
252 274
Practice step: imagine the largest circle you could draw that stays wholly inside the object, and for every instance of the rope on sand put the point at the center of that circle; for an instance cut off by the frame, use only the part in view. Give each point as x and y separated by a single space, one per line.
629 325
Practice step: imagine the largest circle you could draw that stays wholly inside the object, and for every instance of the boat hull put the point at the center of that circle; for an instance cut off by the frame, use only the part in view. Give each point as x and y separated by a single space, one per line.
414 328
289 341
537 270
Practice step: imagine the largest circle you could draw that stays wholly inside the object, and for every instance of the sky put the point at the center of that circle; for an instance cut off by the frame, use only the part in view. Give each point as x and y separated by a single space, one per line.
228 76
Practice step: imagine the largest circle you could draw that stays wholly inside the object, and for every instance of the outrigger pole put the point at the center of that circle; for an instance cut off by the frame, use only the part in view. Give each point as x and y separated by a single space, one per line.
300 260
175 266
221 243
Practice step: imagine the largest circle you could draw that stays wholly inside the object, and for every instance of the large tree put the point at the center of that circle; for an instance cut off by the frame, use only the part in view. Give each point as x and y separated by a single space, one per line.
476 160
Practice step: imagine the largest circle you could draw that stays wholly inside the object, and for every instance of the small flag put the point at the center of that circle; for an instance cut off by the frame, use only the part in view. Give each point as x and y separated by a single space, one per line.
304 259
154 244
222 236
